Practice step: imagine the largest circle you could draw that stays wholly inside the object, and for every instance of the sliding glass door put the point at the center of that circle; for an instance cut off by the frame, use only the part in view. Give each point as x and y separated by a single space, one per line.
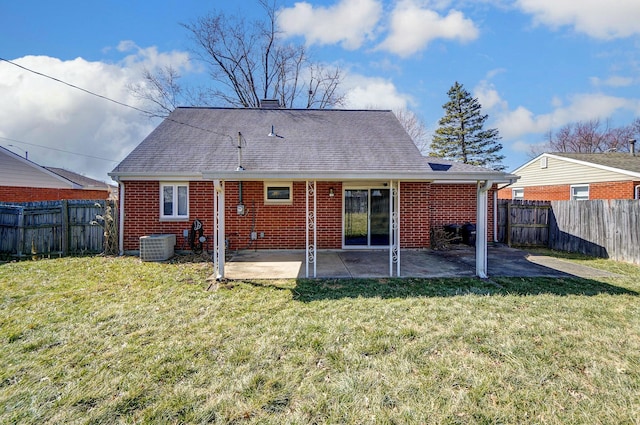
366 217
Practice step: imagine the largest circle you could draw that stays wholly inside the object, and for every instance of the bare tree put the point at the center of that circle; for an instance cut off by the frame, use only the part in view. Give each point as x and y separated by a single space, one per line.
247 62
589 137
415 127
160 89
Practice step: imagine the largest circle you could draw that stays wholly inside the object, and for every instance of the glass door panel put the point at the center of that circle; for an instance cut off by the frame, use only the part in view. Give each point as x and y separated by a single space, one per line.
379 217
356 211
366 217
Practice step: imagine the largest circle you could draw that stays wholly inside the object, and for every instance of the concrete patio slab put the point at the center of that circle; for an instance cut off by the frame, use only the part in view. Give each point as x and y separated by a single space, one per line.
456 262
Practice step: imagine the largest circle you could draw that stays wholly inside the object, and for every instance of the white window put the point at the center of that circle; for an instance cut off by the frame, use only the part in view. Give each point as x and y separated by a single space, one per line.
517 193
580 192
174 200
278 193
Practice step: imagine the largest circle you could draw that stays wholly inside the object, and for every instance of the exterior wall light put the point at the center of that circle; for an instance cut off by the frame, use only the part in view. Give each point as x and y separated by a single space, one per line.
332 192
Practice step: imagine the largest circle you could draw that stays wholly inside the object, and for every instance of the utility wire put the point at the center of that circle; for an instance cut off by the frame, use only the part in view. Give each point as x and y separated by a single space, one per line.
111 100
56 149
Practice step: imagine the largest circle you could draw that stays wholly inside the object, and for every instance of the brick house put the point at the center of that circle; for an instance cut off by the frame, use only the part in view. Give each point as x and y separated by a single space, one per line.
271 178
576 176
22 180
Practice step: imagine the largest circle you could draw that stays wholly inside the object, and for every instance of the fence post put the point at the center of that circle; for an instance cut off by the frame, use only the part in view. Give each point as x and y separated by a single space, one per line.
507 224
20 232
64 222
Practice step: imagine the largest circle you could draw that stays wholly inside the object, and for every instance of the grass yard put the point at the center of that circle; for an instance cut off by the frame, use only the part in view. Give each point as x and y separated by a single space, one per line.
112 340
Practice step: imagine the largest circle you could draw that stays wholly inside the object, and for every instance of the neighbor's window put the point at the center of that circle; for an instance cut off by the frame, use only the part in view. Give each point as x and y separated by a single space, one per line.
174 200
278 193
580 193
517 193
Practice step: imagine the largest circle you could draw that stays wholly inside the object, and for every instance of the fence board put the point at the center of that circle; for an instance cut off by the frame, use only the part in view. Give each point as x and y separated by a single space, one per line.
599 228
52 228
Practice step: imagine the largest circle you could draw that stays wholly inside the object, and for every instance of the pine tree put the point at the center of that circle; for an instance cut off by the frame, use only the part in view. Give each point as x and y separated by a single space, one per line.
461 136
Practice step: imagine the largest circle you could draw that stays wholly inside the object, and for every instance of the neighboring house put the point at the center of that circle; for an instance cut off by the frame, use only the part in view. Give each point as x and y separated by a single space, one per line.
22 180
577 176
271 178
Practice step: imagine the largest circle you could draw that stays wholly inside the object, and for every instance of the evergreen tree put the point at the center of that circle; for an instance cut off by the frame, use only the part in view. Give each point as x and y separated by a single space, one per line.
461 136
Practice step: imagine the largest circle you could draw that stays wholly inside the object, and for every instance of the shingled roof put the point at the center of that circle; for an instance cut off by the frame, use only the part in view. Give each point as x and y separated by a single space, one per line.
618 160
293 141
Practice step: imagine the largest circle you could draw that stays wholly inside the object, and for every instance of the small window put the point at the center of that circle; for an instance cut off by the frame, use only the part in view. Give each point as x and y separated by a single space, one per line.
580 193
174 200
278 193
517 193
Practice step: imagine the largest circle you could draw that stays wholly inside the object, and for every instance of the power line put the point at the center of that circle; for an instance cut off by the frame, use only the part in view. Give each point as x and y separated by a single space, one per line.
111 100
74 86
56 149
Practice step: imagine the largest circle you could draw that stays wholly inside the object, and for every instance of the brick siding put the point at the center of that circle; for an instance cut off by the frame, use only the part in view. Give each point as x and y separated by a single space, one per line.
606 190
283 226
34 194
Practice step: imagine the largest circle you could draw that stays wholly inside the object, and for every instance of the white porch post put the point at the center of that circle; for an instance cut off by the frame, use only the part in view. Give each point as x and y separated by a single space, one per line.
310 253
394 228
481 228
219 231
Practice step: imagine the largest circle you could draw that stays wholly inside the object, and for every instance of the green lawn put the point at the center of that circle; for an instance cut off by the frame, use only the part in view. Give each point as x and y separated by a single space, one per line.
113 340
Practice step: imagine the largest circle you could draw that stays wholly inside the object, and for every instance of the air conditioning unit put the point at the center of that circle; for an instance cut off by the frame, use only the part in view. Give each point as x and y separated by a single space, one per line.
157 247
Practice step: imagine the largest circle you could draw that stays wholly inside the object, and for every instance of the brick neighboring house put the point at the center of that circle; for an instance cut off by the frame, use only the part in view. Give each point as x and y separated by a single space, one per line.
22 180
271 178
576 176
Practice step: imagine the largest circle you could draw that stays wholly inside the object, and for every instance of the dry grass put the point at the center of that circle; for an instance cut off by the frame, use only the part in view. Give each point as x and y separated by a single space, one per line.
114 340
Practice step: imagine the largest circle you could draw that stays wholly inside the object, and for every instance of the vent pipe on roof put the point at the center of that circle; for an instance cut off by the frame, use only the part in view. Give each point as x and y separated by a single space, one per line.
240 168
632 146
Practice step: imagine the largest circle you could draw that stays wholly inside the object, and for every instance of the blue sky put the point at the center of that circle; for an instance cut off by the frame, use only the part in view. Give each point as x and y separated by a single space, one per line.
534 65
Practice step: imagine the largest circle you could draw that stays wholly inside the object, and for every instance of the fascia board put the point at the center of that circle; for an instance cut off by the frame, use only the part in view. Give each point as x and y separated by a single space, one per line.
155 176
245 175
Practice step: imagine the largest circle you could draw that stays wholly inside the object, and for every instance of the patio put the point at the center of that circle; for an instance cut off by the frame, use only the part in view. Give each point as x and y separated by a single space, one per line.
456 262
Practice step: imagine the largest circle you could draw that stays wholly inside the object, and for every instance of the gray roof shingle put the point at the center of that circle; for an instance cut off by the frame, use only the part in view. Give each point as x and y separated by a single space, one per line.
195 140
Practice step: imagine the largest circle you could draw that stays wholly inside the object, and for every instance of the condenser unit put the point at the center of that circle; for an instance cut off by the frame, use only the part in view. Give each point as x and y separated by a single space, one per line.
157 247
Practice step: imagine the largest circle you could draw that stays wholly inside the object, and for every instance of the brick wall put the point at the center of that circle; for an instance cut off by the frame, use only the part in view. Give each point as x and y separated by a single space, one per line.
283 226
606 190
33 194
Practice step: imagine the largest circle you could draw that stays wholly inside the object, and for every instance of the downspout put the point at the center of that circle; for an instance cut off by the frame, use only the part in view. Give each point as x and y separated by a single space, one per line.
121 218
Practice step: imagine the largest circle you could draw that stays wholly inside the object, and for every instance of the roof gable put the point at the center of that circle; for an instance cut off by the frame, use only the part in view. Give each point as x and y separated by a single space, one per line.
20 172
206 142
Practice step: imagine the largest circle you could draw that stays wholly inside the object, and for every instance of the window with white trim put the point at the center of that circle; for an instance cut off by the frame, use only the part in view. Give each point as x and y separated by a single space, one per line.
278 193
517 193
580 192
174 200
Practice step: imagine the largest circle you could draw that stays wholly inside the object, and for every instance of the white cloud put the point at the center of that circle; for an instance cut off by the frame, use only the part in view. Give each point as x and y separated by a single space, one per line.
413 27
488 96
43 112
516 123
613 81
596 18
349 22
373 92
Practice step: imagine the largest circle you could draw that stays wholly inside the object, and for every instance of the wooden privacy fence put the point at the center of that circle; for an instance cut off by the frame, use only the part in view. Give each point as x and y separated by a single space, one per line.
56 228
599 228
524 223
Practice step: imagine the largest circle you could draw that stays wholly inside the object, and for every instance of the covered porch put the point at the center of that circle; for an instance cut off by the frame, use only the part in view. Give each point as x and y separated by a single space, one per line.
317 263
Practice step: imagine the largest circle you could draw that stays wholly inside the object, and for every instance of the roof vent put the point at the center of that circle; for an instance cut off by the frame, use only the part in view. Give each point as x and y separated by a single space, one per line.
269 104
632 146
